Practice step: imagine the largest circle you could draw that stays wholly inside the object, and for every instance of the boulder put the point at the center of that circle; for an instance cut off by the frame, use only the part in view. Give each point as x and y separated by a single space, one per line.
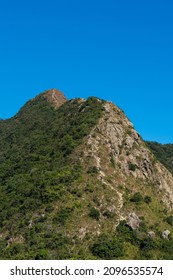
133 221
165 234
152 234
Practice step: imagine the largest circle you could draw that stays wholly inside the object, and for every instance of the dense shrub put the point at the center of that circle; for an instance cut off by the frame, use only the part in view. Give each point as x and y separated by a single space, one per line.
126 233
62 215
94 213
93 170
166 246
132 166
147 199
107 248
137 198
147 244
170 220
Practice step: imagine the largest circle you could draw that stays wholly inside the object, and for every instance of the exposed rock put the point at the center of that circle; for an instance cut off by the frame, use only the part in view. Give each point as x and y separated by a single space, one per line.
133 221
30 224
129 142
16 239
82 232
165 234
114 135
55 97
152 234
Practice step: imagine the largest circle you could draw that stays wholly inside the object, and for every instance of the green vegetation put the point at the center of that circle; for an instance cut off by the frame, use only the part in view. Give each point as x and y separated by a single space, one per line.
132 166
138 198
163 152
147 199
170 220
62 216
52 203
107 247
141 245
126 243
93 170
94 213
39 176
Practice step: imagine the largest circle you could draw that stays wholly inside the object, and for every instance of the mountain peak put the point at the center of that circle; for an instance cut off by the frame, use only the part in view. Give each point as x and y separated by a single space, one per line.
80 180
55 97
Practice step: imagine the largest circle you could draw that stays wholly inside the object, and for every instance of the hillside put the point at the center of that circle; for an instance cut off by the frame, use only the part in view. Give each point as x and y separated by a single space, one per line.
164 152
78 182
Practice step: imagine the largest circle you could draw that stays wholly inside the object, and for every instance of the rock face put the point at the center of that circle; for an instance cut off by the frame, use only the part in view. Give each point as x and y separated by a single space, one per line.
55 97
133 221
115 141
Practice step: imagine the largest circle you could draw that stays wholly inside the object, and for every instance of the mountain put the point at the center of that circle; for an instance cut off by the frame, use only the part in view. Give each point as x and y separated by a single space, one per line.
78 182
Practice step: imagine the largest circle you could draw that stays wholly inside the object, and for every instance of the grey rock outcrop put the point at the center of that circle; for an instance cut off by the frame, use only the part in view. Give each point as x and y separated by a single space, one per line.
151 234
133 221
165 234
122 145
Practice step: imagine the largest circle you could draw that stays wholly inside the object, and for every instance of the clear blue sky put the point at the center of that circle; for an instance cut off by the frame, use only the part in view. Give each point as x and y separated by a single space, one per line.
118 50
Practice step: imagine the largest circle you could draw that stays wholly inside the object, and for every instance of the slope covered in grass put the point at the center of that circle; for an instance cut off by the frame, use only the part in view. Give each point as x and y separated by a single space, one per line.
37 170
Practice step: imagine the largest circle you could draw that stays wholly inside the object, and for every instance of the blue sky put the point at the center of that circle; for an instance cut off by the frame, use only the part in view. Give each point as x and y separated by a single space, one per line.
118 50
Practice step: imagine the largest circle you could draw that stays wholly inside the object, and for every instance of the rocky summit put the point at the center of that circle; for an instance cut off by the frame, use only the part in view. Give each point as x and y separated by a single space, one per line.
55 97
77 181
